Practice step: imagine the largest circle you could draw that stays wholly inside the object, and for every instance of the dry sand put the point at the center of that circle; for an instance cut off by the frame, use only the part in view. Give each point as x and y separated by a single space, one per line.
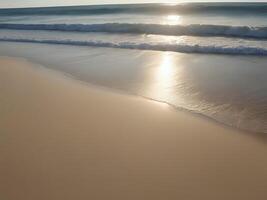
63 140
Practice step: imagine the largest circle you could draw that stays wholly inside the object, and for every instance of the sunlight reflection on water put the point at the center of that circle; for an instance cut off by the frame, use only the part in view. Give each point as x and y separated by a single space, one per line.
172 19
162 77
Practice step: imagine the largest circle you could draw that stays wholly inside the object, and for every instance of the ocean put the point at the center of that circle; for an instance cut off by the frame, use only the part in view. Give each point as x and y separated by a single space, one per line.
205 58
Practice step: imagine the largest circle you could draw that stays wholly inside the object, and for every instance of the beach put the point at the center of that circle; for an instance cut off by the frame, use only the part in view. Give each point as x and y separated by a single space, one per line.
64 139
207 57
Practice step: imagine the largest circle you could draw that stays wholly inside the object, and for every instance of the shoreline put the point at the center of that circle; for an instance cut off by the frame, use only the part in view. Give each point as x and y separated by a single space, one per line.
63 139
241 113
66 75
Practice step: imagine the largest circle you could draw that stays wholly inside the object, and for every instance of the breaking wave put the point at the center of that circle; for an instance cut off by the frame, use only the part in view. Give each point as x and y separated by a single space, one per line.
193 29
183 48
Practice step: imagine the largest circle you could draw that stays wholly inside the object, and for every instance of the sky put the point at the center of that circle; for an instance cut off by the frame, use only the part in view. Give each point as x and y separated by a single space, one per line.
40 3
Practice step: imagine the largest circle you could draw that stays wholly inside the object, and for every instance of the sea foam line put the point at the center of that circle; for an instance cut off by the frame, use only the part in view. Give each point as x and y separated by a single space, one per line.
183 48
159 29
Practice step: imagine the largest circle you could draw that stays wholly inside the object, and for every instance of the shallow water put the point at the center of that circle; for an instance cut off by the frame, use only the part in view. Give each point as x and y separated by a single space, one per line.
229 89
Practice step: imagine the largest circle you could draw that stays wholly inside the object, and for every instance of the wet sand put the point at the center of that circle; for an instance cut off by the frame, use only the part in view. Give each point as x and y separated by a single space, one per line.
64 140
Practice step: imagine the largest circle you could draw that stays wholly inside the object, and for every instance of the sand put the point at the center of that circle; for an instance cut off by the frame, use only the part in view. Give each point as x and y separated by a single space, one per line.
64 140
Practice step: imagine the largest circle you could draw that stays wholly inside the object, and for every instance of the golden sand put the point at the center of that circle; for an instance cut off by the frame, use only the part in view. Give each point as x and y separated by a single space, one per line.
63 140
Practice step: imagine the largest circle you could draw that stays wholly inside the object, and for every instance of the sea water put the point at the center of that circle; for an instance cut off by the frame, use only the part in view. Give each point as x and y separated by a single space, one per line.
207 58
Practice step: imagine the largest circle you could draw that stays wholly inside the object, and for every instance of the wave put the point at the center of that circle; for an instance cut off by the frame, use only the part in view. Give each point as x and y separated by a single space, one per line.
193 29
231 8
240 50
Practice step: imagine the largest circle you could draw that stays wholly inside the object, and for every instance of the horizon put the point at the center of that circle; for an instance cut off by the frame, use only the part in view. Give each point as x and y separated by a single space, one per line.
49 3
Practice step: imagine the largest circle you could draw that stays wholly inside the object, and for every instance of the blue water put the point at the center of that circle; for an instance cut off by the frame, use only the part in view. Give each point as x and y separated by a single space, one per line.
223 46
225 20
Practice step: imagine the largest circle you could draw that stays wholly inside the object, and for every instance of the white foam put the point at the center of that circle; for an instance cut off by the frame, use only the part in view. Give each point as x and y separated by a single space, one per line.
193 29
237 50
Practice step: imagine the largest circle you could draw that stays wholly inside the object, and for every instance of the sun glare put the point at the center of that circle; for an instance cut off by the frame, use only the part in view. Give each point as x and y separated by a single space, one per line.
162 77
172 19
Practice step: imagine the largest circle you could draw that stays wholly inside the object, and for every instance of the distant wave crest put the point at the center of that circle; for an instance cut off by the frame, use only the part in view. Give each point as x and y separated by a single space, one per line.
193 30
240 50
232 8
